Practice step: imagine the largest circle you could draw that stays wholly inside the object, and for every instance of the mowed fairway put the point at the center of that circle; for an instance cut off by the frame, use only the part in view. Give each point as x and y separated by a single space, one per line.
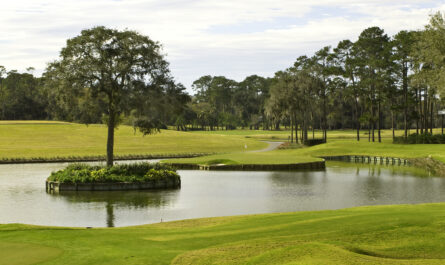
52 139
404 234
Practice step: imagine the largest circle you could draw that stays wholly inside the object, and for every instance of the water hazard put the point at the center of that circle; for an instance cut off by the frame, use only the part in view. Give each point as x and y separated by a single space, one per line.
211 193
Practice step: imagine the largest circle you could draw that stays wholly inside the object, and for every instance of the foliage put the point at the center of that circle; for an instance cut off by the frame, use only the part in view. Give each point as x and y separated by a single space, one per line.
425 138
374 83
21 96
222 102
106 72
312 142
138 172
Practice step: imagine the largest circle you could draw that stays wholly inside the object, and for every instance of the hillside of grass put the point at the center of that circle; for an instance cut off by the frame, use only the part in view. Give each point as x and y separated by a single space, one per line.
53 139
47 139
265 158
386 148
334 147
403 234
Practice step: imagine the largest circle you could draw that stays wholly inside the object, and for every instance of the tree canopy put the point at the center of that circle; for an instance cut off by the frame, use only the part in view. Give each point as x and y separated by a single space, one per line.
105 73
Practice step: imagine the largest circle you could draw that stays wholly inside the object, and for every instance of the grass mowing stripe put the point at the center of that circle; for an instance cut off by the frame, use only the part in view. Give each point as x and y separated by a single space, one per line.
403 234
67 140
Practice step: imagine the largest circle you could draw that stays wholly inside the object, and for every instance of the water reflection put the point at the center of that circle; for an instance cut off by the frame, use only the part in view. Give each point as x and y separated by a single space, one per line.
212 193
136 200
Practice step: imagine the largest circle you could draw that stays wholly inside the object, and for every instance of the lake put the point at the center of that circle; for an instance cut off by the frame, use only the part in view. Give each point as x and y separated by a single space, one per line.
23 198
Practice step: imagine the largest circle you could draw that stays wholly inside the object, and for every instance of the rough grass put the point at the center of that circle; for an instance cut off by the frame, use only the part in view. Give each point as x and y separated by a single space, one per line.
403 234
51 139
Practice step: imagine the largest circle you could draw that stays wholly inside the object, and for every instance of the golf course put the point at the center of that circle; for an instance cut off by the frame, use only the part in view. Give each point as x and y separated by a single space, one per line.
402 234
394 234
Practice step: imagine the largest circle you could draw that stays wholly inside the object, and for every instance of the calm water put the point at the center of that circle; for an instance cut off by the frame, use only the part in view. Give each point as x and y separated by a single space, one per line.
210 193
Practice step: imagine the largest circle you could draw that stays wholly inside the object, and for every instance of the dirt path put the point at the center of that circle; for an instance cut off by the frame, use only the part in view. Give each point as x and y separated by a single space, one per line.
272 146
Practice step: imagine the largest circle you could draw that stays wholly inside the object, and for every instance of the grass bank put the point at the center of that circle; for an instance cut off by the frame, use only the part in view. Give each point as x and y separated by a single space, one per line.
42 139
403 234
335 147
272 157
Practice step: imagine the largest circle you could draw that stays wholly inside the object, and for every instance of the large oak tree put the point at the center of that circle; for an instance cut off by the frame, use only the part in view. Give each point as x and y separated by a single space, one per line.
112 73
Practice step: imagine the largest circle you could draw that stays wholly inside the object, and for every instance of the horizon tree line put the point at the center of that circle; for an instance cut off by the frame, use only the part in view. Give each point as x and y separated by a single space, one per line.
377 82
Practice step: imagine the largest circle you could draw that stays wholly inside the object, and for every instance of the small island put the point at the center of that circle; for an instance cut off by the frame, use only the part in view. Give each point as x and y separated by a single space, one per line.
137 176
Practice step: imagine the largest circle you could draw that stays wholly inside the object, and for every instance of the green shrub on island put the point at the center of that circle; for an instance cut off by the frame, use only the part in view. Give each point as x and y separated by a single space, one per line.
425 138
134 173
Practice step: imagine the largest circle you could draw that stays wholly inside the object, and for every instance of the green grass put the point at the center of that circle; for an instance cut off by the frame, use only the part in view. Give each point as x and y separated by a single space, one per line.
52 139
404 234
386 148
273 157
46 139
283 134
334 147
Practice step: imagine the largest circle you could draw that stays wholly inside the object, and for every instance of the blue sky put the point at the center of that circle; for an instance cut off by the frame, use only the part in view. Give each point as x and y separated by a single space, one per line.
230 38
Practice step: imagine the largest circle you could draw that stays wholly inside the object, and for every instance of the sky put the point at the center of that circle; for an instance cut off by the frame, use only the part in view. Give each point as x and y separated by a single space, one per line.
204 37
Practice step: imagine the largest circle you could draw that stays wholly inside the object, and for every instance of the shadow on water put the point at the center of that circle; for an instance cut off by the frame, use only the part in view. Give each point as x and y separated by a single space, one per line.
120 199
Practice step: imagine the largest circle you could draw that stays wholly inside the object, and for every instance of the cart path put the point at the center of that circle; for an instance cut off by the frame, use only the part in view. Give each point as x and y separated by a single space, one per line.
272 146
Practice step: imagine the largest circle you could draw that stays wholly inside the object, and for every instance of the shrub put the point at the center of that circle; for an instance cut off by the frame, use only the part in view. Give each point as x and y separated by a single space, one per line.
425 138
312 142
138 172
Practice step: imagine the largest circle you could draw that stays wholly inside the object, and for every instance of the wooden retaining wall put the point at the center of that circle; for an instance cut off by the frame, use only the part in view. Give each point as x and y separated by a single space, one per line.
53 186
378 160
318 165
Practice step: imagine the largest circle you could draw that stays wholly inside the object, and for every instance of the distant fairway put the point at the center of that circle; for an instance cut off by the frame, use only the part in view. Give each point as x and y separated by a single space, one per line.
55 139
47 139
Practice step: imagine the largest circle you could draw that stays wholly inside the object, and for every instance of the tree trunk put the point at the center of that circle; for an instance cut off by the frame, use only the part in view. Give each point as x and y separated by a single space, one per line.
405 105
369 132
425 112
110 139
417 116
432 117
379 120
357 119
372 114
296 128
393 129
291 129
325 120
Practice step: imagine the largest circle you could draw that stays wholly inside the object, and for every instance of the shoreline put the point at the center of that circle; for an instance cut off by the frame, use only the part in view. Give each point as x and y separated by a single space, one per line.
39 160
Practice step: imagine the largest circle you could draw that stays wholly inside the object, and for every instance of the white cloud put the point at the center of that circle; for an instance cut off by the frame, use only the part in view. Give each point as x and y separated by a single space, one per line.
32 33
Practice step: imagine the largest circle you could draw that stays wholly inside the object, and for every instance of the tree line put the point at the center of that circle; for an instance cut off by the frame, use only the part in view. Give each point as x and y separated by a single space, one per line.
376 82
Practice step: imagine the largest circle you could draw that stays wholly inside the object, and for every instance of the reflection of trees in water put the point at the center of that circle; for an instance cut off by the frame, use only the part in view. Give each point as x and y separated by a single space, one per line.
137 199
110 215
121 199
299 184
296 178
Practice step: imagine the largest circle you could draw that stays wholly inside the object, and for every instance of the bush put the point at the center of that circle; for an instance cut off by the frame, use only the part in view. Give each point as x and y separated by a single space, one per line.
425 138
312 142
139 172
